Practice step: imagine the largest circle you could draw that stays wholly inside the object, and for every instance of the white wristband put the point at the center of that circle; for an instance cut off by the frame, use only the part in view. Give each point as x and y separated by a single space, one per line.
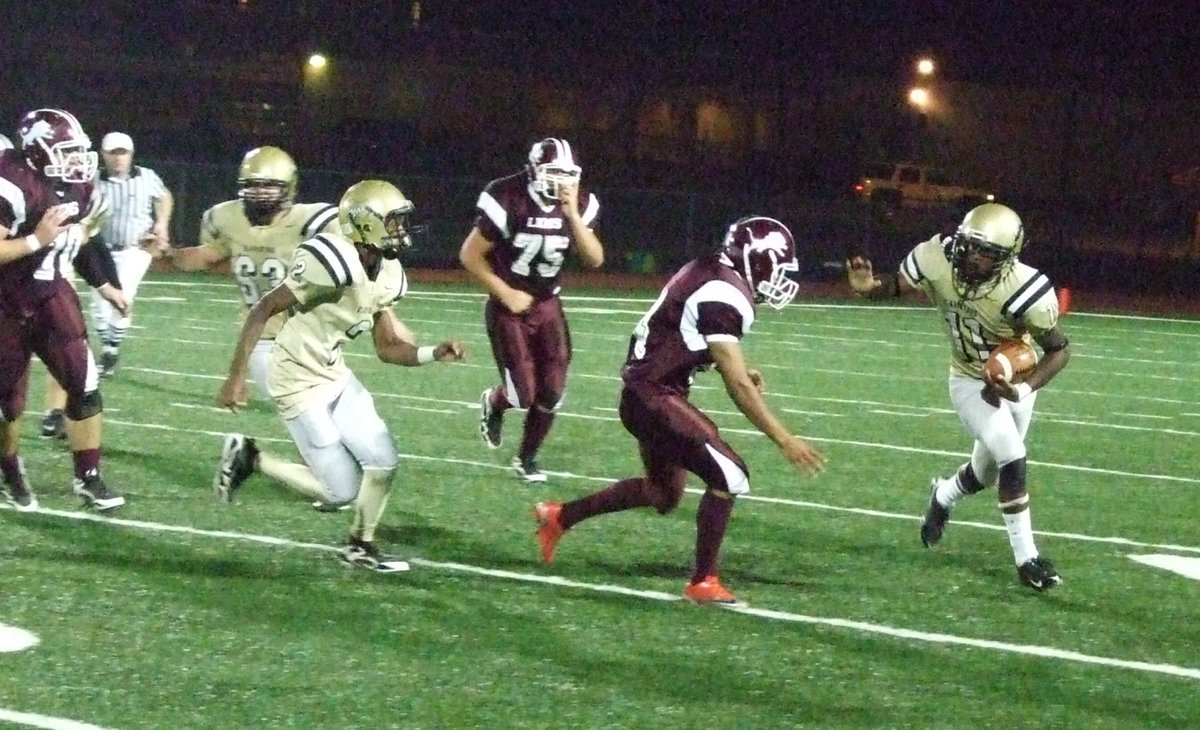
33 243
425 354
1023 391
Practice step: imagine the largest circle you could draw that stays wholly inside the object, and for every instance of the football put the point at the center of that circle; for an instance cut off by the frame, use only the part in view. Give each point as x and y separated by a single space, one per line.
1012 359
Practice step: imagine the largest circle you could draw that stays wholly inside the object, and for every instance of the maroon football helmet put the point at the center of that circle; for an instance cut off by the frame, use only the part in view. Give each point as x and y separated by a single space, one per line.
54 143
552 165
763 251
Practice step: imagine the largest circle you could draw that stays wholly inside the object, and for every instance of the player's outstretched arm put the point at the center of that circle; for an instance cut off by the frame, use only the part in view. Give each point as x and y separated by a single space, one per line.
395 344
746 392
866 283
194 258
233 390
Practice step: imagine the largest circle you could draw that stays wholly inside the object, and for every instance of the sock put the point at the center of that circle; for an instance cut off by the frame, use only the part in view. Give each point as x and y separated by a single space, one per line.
296 477
962 484
10 468
1020 528
711 520
87 463
118 330
948 492
498 400
537 425
616 497
372 499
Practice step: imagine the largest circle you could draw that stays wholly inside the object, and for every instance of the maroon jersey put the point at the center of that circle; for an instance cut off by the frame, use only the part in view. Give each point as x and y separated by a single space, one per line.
25 196
704 302
529 239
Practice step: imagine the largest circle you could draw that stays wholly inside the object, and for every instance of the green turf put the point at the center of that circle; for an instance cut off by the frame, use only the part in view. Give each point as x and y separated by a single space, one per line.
142 626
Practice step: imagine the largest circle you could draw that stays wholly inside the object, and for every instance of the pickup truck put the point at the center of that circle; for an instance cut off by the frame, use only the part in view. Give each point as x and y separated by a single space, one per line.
896 184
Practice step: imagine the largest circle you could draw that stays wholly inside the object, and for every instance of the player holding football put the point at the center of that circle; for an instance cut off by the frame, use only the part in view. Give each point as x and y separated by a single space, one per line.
696 323
524 227
257 234
340 286
985 295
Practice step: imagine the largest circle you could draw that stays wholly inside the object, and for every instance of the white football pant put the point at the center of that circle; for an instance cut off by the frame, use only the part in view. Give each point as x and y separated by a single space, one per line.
999 433
260 365
341 437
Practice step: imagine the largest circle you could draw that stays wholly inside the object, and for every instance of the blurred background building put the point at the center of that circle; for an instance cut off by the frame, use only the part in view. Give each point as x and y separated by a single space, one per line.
677 131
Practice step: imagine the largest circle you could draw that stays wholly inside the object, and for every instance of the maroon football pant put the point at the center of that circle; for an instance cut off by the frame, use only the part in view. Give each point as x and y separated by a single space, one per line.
55 331
674 437
532 351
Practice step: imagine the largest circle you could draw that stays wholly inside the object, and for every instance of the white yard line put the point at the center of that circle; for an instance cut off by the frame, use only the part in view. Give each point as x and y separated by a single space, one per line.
559 581
30 719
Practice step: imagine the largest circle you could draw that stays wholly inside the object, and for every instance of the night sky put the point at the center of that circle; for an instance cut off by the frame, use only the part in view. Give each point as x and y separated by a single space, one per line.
1147 47
1132 42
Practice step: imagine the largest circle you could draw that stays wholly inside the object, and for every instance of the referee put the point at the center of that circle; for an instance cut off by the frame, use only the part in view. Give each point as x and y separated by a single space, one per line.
140 219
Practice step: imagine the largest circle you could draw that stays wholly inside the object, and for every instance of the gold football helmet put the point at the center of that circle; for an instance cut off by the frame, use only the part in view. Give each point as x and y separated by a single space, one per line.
984 248
266 183
375 213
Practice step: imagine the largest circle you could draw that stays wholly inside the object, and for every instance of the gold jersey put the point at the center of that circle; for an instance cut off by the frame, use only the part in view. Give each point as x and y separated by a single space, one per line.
259 256
337 303
1022 304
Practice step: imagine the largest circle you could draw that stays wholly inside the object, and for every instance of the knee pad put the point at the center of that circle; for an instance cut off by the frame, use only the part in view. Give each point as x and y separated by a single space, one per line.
1012 479
548 400
968 481
80 408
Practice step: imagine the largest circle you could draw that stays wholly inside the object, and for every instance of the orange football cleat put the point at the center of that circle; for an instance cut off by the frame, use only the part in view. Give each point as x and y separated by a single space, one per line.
549 531
709 590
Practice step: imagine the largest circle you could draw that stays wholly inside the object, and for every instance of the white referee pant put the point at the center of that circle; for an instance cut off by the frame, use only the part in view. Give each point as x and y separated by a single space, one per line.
132 263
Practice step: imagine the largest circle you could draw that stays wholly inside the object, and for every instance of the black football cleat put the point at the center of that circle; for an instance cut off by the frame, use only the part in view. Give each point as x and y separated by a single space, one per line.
96 493
54 425
362 554
528 470
17 492
108 363
491 422
936 517
237 464
1039 574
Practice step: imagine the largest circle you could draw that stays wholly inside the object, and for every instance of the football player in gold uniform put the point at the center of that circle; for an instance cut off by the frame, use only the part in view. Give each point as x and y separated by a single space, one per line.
340 285
258 234
985 295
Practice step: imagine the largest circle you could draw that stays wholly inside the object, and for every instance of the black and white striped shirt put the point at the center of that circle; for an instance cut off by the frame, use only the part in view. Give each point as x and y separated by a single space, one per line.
131 201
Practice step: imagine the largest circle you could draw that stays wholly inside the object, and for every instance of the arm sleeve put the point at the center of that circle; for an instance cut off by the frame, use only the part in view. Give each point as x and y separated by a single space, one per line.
95 264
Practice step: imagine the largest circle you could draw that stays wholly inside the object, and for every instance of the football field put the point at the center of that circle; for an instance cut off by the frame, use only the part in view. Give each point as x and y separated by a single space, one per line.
180 612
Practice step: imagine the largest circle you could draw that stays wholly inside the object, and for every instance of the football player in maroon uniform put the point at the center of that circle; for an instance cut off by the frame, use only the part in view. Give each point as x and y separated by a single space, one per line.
48 208
697 321
525 225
